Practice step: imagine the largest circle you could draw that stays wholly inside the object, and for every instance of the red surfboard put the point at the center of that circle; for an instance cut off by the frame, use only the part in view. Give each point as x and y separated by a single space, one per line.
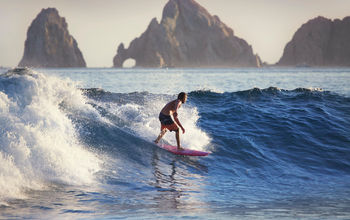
185 151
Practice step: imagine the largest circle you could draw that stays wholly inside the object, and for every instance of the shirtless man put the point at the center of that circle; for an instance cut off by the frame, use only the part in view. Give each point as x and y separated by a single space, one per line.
167 122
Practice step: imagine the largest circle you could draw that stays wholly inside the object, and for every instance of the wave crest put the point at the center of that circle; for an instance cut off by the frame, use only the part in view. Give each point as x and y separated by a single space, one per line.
38 142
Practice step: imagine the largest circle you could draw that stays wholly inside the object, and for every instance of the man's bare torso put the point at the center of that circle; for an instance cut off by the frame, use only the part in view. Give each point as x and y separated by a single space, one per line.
171 107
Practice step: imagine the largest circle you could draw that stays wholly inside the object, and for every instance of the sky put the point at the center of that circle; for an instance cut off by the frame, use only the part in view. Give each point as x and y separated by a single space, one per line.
99 26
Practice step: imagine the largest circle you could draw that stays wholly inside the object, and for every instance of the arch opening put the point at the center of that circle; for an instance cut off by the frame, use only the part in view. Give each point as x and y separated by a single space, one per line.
129 63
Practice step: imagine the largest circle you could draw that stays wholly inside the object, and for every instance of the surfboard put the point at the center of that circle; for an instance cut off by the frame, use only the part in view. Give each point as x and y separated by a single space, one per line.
185 151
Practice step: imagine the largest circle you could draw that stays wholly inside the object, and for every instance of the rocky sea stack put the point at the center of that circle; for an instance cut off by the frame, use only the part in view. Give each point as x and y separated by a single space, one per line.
49 43
187 36
319 42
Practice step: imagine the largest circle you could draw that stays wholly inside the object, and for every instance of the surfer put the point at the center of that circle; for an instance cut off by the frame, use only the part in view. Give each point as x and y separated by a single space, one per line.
167 122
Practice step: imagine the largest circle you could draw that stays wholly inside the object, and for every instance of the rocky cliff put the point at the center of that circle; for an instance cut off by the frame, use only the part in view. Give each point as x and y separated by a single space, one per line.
319 42
49 43
187 36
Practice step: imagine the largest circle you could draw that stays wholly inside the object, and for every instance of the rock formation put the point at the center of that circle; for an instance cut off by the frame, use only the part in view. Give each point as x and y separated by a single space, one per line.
187 36
49 43
319 42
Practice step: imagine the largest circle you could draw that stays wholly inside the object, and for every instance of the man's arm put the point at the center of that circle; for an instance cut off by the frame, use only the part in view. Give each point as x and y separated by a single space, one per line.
178 122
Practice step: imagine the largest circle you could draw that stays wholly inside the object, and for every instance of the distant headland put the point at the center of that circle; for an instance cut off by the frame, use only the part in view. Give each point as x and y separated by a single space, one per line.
320 42
49 43
189 36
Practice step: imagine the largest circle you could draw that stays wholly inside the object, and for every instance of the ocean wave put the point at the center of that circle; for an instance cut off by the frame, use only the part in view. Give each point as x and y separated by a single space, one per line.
259 92
38 142
304 130
55 132
268 126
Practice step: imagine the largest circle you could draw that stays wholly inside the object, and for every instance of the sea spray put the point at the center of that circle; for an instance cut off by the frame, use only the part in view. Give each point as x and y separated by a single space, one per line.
148 125
38 142
138 113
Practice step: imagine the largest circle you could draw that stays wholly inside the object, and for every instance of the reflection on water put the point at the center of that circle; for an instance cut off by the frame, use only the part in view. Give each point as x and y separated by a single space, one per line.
177 187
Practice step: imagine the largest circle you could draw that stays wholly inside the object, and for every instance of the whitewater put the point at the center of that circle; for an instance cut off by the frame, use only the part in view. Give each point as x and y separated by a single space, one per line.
77 143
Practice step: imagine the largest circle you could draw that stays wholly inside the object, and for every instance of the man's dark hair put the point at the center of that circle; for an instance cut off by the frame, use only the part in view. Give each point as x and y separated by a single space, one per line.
181 96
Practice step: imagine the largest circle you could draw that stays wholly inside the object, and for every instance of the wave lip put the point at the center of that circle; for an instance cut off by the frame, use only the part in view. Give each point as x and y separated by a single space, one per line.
38 142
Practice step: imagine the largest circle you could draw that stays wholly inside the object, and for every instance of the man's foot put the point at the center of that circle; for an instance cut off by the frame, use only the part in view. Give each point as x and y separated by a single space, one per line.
156 141
180 148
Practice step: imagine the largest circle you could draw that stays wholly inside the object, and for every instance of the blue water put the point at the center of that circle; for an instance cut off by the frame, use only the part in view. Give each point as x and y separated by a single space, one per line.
77 143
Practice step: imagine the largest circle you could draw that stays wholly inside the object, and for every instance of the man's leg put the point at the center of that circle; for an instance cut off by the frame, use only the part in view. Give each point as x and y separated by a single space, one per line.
177 135
162 133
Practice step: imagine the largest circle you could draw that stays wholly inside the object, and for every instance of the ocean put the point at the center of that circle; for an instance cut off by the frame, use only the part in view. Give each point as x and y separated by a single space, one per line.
77 144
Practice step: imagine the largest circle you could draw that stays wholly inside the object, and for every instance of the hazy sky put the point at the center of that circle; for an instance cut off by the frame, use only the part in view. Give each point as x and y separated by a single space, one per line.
99 26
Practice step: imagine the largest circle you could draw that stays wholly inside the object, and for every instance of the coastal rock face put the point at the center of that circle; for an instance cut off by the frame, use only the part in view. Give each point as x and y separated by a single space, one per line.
49 43
319 42
187 36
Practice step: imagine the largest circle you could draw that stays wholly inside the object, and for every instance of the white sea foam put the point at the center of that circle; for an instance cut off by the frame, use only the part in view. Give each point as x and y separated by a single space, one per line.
143 120
38 142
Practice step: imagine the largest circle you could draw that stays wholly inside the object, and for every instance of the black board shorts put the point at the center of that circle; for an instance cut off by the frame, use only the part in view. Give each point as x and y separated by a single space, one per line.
167 123
165 119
